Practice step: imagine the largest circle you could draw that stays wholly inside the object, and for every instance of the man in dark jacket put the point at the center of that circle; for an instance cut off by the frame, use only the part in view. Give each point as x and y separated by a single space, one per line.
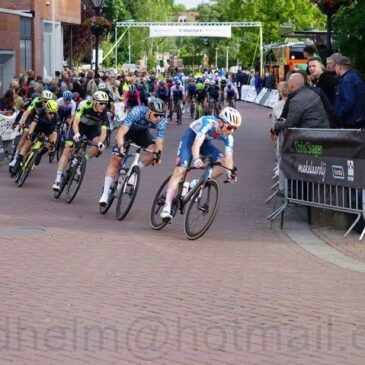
350 95
306 109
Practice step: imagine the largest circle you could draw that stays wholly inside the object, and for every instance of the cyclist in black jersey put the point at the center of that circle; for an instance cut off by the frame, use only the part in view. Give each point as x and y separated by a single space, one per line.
44 122
91 120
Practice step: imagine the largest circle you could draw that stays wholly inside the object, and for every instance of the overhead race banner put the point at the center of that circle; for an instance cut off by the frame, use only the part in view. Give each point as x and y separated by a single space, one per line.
217 31
334 157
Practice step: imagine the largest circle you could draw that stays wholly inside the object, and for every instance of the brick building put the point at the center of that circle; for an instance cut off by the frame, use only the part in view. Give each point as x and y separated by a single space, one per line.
31 33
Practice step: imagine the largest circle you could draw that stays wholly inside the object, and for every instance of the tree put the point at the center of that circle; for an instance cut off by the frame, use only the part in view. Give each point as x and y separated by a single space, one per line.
350 30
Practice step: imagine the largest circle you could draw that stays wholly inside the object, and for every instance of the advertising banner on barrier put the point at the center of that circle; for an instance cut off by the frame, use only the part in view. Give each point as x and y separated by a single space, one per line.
6 122
332 156
217 31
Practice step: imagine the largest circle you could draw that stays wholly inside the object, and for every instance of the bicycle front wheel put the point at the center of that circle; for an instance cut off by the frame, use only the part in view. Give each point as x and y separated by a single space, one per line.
75 180
26 169
128 193
202 210
158 202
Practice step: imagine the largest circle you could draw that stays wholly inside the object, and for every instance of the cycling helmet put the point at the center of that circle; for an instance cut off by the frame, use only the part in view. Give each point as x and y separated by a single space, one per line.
67 95
231 117
47 95
162 83
52 106
177 82
139 86
229 84
206 82
176 79
157 105
132 88
101 86
212 83
199 86
101 96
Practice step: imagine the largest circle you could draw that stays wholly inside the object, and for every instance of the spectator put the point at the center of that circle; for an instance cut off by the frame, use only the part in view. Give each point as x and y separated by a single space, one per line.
310 51
350 96
322 79
258 83
7 102
306 109
283 89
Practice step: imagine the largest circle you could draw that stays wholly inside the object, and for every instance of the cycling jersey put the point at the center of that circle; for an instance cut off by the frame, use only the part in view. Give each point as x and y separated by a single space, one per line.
162 93
200 95
231 93
136 120
66 110
190 90
44 124
176 94
208 127
36 105
88 116
213 92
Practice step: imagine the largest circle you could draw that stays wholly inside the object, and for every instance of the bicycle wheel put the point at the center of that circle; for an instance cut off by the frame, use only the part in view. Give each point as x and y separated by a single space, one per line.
104 209
25 171
128 193
158 202
74 182
202 209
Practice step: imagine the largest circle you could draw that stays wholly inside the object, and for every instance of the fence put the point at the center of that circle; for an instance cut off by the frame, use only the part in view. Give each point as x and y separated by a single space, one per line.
323 168
266 97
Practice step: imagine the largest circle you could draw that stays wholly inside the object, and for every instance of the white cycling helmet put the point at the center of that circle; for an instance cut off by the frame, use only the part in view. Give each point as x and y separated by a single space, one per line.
230 116
47 95
101 96
101 86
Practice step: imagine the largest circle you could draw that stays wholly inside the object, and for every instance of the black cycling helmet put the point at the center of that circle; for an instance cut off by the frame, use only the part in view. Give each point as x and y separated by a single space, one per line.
157 106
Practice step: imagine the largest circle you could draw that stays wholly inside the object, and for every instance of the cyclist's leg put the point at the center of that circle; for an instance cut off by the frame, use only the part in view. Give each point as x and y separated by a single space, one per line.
65 158
144 139
209 149
111 172
184 156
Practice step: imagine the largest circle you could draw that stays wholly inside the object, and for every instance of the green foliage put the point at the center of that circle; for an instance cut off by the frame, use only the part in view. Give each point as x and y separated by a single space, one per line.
350 29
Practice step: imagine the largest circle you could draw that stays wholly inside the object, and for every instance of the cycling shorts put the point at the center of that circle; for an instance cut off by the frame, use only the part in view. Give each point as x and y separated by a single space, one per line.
184 152
45 128
141 138
90 132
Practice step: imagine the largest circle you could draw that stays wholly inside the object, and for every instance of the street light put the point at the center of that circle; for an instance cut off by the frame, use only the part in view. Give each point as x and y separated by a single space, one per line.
216 58
97 4
129 40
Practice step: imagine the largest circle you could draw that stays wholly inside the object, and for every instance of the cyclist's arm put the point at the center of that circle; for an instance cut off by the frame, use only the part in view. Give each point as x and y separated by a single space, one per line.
159 145
24 117
122 131
195 149
32 127
103 134
75 124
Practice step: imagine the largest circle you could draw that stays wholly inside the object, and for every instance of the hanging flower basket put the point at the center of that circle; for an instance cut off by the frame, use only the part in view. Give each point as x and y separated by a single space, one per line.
99 24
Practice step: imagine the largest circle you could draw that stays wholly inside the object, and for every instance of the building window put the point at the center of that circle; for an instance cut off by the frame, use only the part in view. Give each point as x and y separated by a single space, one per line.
26 44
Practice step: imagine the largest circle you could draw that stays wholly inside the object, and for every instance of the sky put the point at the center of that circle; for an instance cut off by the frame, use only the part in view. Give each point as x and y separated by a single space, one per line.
189 3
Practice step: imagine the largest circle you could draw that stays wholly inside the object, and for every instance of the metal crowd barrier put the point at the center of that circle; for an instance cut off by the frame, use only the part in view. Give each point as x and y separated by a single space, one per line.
335 197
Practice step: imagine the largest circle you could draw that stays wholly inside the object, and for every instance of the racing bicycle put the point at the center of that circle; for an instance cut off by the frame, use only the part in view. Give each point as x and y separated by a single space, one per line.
201 202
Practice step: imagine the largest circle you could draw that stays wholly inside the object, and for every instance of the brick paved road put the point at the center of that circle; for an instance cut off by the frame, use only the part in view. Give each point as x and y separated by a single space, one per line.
80 288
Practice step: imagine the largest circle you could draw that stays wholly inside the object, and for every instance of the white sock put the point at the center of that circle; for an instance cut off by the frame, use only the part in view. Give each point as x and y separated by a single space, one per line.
170 193
59 176
16 155
140 165
107 184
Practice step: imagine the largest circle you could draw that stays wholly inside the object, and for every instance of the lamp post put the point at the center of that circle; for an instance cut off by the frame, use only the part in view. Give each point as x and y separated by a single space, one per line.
227 57
129 41
97 4
216 58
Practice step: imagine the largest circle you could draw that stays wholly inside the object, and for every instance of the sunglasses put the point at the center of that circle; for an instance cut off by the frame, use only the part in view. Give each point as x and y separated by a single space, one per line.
105 104
157 115
51 113
230 127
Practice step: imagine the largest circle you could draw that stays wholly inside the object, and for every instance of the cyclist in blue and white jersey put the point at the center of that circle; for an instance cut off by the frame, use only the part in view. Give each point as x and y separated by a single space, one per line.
135 128
66 106
230 92
197 141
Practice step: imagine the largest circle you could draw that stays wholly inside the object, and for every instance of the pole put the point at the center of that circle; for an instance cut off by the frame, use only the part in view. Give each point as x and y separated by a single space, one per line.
129 44
71 45
261 52
227 50
97 13
216 58
329 32
53 55
116 47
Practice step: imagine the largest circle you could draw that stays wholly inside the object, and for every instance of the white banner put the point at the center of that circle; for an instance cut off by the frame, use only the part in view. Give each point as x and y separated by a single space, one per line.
218 31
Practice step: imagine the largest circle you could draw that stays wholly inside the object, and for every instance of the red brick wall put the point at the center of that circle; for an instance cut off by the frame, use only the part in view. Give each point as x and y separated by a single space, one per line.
10 35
